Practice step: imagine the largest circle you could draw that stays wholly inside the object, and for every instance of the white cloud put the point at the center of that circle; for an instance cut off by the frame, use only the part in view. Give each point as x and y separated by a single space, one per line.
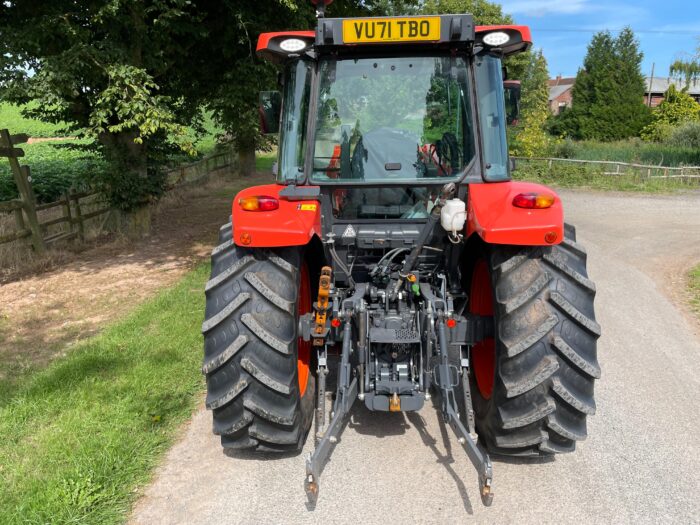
545 7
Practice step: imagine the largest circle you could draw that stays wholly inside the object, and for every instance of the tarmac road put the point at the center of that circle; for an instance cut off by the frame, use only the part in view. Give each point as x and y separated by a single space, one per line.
640 463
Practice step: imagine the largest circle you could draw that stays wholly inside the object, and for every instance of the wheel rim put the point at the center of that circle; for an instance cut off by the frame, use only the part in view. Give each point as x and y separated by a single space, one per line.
303 347
483 354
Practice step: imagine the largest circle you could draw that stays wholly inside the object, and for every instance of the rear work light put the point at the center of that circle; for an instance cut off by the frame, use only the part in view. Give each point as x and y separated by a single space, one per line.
533 200
497 38
259 203
293 45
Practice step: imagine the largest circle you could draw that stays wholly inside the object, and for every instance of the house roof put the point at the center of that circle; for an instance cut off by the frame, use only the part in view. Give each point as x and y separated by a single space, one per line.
661 85
556 91
561 81
559 86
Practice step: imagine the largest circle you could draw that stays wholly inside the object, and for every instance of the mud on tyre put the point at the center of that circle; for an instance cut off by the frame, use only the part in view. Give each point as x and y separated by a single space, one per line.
259 384
533 383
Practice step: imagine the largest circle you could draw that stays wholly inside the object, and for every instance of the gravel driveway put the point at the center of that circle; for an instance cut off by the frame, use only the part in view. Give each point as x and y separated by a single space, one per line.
641 462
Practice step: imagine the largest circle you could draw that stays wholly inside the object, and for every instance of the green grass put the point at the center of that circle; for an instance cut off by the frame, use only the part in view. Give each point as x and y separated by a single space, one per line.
633 151
264 160
11 118
592 177
694 288
79 437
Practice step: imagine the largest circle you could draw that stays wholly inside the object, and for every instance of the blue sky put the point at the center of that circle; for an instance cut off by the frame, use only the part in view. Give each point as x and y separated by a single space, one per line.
563 28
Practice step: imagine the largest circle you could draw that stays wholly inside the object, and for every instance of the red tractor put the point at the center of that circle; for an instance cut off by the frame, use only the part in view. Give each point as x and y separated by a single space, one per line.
395 251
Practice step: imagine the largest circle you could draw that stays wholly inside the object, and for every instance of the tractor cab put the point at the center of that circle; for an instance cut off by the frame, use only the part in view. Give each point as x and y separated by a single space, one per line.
403 105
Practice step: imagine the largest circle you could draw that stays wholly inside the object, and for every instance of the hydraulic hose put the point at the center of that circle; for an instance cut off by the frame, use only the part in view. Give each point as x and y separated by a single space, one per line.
410 262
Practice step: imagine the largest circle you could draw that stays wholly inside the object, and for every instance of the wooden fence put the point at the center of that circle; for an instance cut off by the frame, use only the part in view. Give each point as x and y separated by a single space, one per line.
73 215
195 171
26 202
612 168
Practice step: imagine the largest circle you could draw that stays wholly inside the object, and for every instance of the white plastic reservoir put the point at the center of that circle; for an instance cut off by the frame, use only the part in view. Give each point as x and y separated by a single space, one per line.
453 215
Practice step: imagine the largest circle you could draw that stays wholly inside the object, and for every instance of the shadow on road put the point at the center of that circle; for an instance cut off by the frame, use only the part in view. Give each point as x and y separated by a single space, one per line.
446 459
377 424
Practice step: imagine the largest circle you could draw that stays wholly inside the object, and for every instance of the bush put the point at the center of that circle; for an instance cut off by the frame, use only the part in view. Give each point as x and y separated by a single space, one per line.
565 124
565 149
685 136
55 168
676 108
127 190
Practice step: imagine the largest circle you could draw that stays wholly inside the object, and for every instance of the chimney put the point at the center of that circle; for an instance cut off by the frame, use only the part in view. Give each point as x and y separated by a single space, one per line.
558 80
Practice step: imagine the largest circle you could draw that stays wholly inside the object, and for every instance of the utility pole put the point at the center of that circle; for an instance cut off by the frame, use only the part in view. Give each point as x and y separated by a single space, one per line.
651 83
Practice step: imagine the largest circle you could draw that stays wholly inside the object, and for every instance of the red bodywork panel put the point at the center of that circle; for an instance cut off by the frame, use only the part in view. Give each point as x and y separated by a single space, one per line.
492 216
294 223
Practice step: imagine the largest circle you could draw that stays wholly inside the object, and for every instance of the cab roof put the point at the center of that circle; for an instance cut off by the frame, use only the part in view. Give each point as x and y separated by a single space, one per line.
352 34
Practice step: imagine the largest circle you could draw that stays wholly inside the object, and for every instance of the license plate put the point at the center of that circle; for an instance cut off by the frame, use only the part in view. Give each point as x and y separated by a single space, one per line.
376 30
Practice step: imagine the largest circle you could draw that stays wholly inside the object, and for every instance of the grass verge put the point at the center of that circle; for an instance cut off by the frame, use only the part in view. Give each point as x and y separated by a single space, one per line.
78 438
592 177
632 150
694 288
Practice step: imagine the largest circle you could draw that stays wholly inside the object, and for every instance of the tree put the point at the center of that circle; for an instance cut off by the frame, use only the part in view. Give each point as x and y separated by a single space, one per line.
484 12
236 74
133 73
688 69
676 108
393 7
608 96
115 71
529 138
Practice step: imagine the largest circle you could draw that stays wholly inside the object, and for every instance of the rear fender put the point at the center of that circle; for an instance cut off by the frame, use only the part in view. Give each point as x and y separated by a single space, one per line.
294 223
492 216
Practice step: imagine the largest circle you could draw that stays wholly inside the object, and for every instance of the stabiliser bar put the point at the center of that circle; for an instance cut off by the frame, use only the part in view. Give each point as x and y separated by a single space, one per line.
480 460
443 376
317 460
345 398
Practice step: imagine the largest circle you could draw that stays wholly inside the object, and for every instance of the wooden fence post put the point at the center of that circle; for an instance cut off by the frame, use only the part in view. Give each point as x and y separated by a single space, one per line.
19 222
78 215
67 213
22 178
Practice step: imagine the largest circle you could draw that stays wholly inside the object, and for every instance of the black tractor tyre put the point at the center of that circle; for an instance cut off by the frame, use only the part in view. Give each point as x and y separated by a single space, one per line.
251 348
545 350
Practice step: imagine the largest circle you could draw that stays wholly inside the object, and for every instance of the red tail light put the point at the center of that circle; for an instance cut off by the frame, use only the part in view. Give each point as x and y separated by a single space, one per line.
533 200
259 203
